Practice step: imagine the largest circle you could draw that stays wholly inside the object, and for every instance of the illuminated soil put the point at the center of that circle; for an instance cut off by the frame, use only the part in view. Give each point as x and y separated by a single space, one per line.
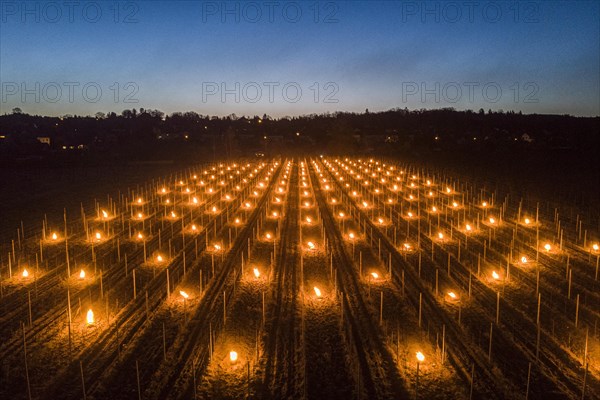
297 278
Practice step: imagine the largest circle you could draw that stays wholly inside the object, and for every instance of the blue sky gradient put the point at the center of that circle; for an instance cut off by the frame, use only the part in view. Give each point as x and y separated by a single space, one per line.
537 57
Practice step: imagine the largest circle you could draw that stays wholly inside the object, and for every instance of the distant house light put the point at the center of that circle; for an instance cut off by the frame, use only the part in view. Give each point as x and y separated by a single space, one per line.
41 139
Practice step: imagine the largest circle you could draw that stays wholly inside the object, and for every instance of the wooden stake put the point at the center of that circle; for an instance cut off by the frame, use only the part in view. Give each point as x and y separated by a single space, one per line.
134 290
577 311
420 308
472 381
26 367
30 316
137 375
164 341
528 380
490 346
497 308
82 380
538 308
168 284
381 309
443 343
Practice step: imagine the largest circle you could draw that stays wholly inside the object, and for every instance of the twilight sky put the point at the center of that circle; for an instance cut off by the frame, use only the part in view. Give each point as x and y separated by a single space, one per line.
291 57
